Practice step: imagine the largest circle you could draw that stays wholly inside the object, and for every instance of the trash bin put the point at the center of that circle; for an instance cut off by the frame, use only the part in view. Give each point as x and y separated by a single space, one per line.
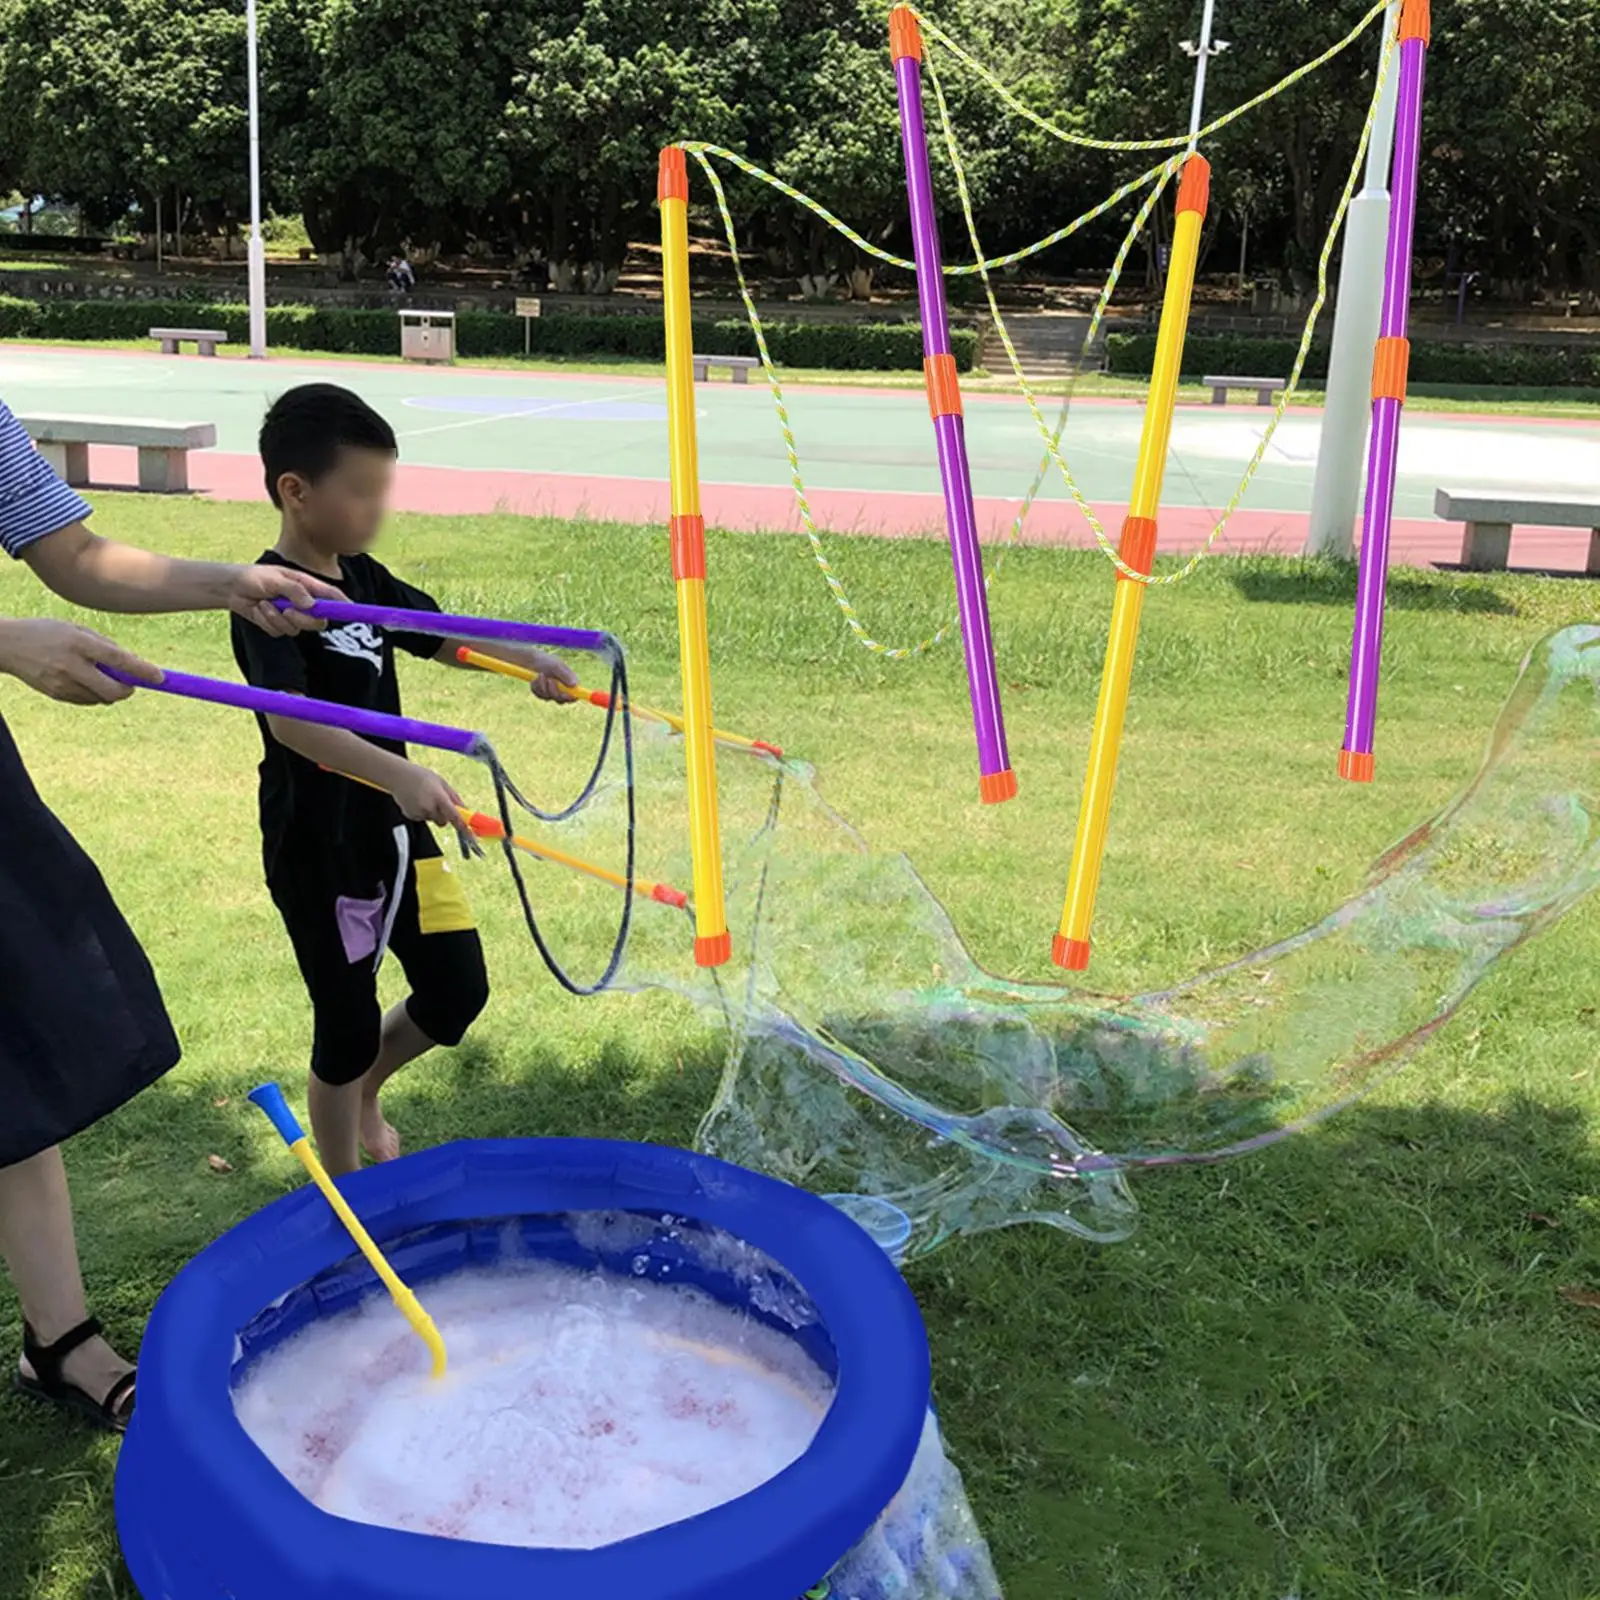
428 335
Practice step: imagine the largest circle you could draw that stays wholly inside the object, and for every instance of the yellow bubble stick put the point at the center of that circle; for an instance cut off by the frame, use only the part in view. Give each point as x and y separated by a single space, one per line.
602 698
269 1097
713 944
1137 548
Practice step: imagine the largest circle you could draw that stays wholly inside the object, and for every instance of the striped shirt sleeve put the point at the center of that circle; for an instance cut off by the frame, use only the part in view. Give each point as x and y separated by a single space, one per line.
33 500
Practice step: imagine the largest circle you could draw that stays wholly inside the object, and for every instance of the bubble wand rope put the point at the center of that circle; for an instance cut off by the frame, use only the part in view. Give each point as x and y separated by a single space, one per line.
601 698
269 1097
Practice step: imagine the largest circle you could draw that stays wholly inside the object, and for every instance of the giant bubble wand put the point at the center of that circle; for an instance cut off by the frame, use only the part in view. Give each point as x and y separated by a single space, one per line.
1390 365
996 779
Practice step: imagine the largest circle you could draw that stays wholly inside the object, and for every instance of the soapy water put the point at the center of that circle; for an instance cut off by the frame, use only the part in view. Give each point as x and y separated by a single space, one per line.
871 1058
579 1408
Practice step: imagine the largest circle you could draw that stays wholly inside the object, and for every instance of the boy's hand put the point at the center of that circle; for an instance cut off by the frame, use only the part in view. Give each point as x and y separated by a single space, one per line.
62 660
554 673
424 796
252 594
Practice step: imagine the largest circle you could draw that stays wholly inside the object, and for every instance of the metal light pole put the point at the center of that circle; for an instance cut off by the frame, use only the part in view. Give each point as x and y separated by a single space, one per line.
257 260
1336 492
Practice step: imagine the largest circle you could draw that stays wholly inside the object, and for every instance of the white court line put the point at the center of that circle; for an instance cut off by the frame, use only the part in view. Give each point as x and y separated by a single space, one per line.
507 416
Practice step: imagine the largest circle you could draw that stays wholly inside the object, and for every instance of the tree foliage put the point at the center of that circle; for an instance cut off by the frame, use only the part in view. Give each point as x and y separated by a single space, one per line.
533 125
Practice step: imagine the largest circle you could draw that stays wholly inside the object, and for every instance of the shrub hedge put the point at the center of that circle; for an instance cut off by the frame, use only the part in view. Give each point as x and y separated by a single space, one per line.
844 346
1520 366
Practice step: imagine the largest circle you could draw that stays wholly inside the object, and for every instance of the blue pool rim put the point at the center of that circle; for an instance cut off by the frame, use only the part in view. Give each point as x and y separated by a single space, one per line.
203 1514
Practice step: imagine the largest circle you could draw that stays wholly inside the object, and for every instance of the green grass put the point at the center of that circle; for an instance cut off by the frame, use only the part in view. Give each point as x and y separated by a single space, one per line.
1341 1369
1584 403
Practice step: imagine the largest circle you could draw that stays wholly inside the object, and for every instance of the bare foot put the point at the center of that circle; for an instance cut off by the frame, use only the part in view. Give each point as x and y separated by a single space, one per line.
94 1368
378 1138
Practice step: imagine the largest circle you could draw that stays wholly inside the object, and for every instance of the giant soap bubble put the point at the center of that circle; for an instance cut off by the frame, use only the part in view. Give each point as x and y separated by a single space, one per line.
870 1057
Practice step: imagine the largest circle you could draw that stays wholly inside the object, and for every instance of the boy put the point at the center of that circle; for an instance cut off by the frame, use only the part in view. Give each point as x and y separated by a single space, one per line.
354 871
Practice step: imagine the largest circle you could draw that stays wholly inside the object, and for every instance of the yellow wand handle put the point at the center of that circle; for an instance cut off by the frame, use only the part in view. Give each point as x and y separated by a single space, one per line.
269 1097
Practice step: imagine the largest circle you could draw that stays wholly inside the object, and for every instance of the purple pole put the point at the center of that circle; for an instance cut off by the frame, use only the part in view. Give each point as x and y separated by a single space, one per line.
1388 398
997 781
274 703
453 627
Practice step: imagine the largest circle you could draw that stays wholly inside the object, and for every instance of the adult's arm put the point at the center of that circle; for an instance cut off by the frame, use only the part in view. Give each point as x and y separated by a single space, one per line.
42 523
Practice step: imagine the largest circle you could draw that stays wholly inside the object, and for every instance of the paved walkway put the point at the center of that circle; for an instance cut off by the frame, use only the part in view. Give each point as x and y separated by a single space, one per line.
474 440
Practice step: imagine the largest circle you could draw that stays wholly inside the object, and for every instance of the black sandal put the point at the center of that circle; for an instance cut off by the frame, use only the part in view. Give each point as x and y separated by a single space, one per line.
49 1386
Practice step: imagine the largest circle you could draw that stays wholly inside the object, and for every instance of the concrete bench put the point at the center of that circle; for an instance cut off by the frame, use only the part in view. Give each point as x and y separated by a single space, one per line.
163 446
739 366
1265 388
1486 541
205 340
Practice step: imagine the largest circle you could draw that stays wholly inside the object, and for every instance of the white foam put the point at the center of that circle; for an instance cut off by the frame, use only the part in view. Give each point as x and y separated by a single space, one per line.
579 1409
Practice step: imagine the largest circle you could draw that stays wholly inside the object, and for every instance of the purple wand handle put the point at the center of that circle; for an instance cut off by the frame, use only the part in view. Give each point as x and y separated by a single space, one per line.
996 779
274 703
447 626
1389 384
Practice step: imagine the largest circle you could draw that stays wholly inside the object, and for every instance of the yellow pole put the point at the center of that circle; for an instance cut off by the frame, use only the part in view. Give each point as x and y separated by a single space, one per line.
713 944
269 1097
602 698
1137 549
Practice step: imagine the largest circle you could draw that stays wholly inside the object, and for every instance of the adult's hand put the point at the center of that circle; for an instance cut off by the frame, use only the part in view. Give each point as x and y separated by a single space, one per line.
62 660
254 591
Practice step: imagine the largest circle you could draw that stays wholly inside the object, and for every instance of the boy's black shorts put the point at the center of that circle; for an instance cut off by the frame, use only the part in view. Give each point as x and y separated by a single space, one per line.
339 939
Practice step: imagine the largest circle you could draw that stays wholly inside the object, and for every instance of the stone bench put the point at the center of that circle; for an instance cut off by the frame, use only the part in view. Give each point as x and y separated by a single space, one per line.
1265 388
163 446
205 340
1486 541
739 366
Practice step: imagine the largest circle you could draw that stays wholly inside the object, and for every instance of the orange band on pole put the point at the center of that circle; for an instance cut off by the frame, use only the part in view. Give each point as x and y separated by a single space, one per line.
1356 765
944 388
905 37
672 176
1138 546
1194 188
688 536
1391 362
1416 21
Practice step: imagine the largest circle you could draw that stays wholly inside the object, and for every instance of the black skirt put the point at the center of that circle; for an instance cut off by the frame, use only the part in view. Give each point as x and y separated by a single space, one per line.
82 1025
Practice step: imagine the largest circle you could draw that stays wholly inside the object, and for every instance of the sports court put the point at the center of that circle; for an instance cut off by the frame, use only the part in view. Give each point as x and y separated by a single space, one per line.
476 440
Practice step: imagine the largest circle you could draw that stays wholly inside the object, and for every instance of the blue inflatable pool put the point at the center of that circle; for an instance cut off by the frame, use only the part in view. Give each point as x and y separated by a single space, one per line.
203 1515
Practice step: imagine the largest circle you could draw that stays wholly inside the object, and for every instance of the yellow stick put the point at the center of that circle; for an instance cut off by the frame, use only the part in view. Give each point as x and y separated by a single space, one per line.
270 1099
713 945
487 827
601 698
1137 548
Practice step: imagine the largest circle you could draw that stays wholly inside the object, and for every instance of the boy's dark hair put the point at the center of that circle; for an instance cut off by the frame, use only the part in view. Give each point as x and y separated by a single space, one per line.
306 428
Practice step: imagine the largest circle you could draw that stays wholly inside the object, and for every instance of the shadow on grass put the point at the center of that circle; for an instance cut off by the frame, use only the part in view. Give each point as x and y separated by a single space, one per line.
1341 1368
1330 583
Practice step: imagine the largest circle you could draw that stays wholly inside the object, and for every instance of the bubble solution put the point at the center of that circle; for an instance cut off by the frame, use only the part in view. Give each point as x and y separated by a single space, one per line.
580 1408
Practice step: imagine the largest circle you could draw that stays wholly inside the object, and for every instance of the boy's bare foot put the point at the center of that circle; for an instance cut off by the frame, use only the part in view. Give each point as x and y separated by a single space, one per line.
378 1138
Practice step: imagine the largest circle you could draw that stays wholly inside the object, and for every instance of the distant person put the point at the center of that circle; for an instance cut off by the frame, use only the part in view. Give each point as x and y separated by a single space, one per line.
401 278
355 871
82 1025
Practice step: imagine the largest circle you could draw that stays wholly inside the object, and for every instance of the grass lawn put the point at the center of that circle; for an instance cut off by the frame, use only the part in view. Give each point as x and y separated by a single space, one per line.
1340 1370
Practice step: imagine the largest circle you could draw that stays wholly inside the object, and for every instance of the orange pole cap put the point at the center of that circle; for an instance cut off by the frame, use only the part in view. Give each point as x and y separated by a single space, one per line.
1416 21
996 787
1138 546
944 387
1194 188
1073 954
668 896
1391 363
1356 765
766 749
672 176
688 535
905 35
713 950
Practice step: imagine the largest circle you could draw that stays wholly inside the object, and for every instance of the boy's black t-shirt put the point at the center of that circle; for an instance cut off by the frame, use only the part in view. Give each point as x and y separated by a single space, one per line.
315 823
